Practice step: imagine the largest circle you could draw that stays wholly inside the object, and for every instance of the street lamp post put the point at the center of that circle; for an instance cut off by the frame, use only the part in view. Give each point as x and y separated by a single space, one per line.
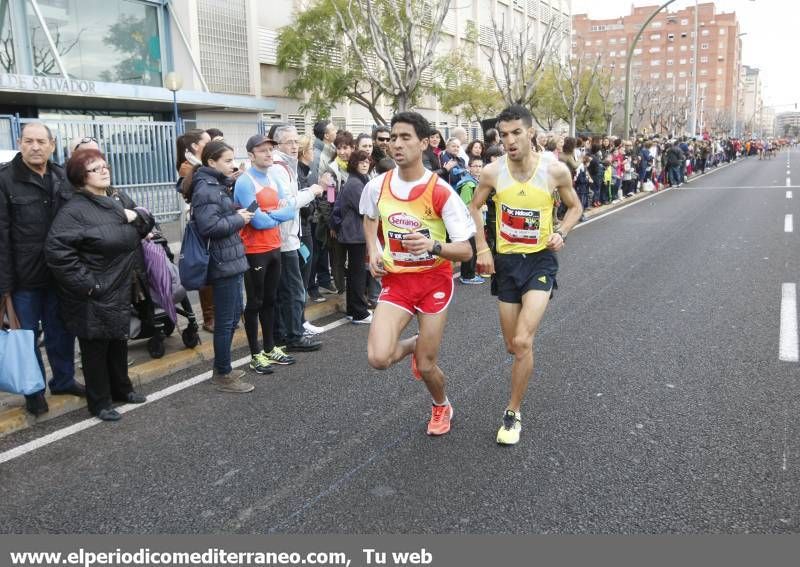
628 62
693 120
173 81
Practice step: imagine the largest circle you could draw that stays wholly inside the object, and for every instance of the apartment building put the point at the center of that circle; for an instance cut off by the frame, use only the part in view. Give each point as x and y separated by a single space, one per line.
665 53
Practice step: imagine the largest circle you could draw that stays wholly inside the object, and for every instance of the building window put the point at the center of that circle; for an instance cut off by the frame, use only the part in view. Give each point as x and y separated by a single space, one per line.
670 75
704 59
721 31
623 39
655 75
655 36
705 32
683 35
671 48
655 49
682 74
682 61
670 61
684 22
224 45
703 72
671 36
637 51
656 24
588 43
719 97
115 41
655 62
719 71
612 53
703 46
612 41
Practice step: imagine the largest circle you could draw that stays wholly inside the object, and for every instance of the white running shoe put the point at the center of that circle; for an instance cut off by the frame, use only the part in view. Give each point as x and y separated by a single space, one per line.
312 329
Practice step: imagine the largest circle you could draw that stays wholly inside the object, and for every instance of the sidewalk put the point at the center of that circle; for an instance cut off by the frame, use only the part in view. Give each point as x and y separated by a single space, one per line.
144 369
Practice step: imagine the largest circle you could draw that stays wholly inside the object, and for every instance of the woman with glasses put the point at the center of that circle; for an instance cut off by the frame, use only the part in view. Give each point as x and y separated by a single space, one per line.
93 251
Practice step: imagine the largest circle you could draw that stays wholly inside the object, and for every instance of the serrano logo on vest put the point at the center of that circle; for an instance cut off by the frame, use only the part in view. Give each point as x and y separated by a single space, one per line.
404 220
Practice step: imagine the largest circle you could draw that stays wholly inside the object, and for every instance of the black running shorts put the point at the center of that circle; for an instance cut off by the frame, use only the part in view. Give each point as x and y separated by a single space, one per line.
516 274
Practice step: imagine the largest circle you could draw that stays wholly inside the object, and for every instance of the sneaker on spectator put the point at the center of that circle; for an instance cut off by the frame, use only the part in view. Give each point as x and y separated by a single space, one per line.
303 344
278 356
312 329
365 321
476 280
315 296
260 363
329 289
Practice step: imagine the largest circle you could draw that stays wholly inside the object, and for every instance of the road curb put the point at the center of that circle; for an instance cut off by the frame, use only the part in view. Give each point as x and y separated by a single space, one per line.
15 418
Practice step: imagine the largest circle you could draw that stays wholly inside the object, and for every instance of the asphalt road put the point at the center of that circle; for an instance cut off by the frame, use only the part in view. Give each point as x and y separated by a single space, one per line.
659 405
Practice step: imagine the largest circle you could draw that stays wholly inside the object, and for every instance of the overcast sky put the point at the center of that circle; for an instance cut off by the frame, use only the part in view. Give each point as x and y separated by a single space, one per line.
770 44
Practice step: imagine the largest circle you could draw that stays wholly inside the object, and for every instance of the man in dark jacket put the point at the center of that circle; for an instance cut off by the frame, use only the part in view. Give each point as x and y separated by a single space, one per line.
675 159
32 189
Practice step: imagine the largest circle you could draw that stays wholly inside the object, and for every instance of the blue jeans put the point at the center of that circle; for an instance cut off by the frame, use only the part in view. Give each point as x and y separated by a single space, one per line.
37 305
674 175
228 305
291 298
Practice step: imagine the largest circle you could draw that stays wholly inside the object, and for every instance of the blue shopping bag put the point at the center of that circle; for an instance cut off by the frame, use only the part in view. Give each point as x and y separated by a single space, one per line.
19 369
193 263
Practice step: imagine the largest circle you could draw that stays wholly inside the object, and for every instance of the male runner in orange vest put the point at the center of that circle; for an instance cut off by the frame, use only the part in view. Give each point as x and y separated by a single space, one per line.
525 185
413 212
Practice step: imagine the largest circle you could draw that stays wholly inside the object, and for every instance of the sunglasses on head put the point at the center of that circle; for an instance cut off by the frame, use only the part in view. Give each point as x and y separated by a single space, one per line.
86 141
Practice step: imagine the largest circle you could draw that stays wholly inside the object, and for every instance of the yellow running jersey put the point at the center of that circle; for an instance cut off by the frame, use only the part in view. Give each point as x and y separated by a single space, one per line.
524 210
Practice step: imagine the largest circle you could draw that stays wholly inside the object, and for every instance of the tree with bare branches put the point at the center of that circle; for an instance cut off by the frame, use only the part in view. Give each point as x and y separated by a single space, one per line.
401 34
577 79
516 56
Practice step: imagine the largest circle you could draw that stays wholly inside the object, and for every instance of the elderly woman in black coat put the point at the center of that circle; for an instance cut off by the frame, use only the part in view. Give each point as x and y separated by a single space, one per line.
93 249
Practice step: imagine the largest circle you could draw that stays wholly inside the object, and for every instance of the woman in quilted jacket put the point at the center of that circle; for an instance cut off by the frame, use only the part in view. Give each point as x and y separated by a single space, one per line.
208 189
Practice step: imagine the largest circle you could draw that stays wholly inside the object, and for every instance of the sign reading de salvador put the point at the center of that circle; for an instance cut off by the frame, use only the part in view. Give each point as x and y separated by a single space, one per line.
46 84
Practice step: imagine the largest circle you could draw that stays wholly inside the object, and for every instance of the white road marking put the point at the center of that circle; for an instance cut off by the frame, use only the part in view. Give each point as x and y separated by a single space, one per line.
788 182
788 223
91 422
788 194
788 332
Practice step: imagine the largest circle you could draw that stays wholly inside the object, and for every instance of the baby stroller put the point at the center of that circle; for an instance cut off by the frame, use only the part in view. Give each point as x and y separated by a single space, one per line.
163 299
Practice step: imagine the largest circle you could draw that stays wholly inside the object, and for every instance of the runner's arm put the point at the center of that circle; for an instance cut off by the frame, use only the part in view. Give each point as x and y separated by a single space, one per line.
561 178
479 198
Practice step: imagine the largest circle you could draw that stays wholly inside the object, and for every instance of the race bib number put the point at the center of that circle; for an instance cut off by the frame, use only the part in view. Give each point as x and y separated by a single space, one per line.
403 257
520 225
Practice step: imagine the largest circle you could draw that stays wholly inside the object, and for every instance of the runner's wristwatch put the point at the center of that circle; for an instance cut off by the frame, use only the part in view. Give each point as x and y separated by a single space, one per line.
562 235
437 248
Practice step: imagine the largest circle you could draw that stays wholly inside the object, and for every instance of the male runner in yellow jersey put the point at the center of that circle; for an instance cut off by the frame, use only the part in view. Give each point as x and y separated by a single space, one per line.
415 212
525 264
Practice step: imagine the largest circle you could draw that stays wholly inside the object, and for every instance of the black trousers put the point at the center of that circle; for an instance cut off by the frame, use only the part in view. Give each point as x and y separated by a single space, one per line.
105 370
356 280
261 284
338 256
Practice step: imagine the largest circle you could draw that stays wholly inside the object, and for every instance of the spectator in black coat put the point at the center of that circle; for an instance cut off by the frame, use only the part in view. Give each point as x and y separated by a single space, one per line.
32 189
92 250
347 221
208 189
